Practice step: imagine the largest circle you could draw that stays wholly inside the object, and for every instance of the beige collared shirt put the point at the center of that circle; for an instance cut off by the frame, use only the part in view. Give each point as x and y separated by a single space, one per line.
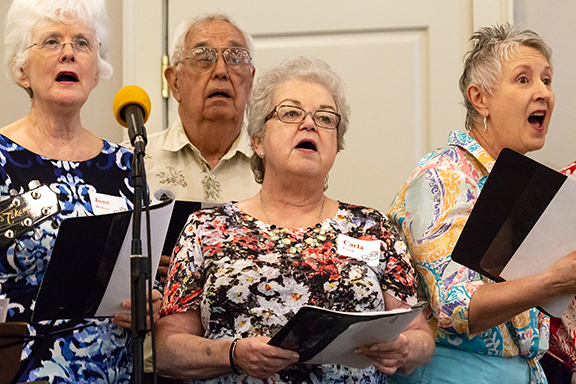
173 163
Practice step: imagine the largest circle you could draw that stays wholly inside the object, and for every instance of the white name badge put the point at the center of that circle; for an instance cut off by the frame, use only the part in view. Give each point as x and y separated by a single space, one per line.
365 250
102 204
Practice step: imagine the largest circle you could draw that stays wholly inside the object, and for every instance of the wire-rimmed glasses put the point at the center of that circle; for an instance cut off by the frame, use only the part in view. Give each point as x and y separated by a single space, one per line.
55 45
203 59
291 114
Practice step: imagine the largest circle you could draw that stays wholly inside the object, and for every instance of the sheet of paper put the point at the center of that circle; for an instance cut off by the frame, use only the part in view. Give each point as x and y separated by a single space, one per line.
119 285
552 237
341 349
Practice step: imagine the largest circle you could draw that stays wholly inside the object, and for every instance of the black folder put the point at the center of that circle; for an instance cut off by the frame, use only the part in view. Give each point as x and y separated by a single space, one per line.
514 198
84 258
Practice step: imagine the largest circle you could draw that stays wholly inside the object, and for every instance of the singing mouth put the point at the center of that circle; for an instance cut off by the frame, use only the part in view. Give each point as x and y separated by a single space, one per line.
305 144
537 118
67 76
219 93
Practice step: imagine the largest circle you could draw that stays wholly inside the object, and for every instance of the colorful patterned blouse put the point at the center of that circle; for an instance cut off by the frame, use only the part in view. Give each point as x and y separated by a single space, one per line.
98 351
432 209
248 278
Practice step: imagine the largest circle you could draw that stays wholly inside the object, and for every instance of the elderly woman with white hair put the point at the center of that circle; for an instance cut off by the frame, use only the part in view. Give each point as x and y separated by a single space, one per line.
485 332
241 270
56 51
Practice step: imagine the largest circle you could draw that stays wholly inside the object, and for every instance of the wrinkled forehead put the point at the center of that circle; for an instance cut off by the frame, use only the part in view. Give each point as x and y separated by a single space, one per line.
215 33
303 91
61 29
525 56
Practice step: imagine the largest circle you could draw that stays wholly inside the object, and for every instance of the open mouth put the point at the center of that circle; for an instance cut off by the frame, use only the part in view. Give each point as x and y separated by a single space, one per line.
70 77
537 118
219 93
306 145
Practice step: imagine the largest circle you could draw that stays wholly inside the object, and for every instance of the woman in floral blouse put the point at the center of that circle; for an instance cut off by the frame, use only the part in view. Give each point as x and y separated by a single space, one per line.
485 332
240 271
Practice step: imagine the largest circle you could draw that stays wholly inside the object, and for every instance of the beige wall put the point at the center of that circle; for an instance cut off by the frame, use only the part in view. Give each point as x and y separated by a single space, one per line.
97 113
554 23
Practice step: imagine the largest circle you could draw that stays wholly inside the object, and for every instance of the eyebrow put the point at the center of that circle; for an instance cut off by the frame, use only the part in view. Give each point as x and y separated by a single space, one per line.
61 36
231 43
527 67
298 104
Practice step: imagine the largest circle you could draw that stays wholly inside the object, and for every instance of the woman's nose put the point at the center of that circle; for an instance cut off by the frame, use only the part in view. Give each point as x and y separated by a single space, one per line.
308 122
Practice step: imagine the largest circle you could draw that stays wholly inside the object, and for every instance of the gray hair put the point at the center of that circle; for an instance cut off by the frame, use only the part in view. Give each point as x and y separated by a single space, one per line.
301 68
26 15
177 52
492 46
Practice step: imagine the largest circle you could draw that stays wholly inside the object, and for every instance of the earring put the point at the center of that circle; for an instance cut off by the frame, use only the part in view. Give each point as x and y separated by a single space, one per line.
485 126
26 84
260 153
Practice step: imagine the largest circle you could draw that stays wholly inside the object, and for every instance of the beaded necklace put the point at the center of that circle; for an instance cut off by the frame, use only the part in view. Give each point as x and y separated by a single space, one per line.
281 238
268 216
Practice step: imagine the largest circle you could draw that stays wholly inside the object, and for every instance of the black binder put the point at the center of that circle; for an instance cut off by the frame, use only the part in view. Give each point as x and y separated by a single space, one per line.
515 196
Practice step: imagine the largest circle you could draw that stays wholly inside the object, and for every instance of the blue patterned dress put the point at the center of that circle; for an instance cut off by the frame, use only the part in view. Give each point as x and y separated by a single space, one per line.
99 352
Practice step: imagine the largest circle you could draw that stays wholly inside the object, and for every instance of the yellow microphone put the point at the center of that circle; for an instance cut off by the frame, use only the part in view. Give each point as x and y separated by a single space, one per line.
131 109
131 95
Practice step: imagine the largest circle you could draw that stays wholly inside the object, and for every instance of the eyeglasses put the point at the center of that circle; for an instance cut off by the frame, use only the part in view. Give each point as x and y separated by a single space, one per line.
54 45
203 59
291 114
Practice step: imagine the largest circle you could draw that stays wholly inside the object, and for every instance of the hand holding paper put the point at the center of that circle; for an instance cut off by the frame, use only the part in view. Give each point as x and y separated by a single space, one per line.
387 356
124 319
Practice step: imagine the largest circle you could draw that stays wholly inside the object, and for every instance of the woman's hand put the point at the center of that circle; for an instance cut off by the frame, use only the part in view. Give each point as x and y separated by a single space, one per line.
259 359
164 268
562 274
413 348
125 319
388 356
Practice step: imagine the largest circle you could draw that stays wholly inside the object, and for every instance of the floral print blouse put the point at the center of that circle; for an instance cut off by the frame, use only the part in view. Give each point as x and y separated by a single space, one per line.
248 278
432 208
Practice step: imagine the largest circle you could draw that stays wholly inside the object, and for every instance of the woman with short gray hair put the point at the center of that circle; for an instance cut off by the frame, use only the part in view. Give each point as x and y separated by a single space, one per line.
485 332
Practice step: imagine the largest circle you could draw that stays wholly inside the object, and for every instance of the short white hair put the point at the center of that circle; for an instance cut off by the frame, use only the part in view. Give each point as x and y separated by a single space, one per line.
24 16
177 52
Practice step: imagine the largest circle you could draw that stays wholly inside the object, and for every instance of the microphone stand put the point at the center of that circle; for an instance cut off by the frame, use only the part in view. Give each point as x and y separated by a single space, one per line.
139 265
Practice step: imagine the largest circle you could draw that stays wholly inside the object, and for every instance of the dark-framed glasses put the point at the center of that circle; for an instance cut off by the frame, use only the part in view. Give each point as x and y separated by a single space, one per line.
203 59
55 45
291 114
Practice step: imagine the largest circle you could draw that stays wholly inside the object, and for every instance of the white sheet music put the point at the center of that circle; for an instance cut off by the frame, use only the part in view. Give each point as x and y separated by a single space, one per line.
552 237
118 288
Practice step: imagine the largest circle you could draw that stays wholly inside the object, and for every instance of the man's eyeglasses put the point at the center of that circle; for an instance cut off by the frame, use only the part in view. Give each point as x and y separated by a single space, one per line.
291 114
54 45
203 59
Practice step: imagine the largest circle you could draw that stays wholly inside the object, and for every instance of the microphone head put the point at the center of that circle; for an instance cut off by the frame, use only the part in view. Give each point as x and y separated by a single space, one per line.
130 94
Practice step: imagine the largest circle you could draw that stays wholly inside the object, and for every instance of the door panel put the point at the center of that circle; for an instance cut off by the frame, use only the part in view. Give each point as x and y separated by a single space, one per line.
400 62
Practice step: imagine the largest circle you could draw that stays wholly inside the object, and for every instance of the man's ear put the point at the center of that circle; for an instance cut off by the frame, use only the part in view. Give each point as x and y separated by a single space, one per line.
171 75
479 99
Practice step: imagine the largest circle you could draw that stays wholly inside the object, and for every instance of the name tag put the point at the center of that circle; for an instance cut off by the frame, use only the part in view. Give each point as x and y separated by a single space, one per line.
365 250
102 204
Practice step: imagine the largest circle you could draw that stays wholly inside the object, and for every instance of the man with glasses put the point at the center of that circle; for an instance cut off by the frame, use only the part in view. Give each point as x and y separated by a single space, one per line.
205 155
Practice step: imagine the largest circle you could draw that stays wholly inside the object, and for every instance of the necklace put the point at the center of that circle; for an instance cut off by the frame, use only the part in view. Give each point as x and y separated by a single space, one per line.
268 216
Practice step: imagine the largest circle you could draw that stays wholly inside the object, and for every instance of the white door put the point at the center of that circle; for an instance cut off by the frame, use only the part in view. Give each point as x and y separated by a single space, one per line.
400 60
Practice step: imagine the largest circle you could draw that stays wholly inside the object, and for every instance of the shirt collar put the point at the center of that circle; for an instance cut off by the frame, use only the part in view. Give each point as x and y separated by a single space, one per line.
176 139
466 142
